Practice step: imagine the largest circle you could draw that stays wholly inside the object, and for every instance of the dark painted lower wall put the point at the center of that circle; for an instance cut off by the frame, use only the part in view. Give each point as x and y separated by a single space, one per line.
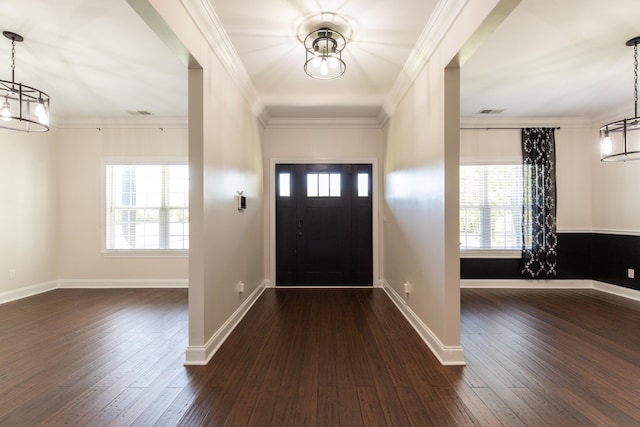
602 257
613 254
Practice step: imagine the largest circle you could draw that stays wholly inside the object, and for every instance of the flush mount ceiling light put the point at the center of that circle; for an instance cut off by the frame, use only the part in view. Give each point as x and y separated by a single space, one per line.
324 54
22 107
620 140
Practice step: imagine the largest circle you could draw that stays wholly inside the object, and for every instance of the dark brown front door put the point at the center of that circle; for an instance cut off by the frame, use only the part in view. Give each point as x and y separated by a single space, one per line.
323 224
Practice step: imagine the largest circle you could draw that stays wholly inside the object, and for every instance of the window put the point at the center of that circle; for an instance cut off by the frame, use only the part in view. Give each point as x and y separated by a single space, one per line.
323 185
284 184
363 184
491 207
147 207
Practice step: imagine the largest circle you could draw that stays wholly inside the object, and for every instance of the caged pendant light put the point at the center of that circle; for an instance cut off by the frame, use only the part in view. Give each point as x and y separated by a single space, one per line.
324 54
620 140
22 108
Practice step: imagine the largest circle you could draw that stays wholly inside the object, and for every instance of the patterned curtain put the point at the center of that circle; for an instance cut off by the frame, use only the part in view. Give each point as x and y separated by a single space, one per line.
539 240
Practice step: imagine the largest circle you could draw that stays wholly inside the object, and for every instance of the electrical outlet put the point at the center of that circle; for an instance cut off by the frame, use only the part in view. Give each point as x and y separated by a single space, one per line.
12 274
631 273
407 288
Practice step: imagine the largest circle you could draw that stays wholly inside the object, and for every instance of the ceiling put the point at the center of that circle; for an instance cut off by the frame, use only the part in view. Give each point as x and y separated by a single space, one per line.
549 60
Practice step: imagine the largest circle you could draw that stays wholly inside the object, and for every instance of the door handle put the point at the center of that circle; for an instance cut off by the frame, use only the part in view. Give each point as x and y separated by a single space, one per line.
300 224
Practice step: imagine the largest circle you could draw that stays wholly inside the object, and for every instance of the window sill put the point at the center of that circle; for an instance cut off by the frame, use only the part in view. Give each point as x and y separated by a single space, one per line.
168 253
490 253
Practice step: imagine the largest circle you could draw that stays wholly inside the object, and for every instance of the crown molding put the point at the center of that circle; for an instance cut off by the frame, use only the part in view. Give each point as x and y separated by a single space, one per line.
207 21
324 123
613 115
121 123
262 113
439 23
520 122
363 115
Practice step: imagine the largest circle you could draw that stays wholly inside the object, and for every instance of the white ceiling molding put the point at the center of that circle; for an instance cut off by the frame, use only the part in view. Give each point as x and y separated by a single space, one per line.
357 116
524 122
612 115
263 115
323 123
439 23
382 117
121 123
209 24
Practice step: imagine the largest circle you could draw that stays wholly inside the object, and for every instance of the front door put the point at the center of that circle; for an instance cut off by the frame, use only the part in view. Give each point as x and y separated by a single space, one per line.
323 224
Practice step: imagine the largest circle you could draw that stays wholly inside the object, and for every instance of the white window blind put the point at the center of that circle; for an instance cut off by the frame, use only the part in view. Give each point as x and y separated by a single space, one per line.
491 207
147 207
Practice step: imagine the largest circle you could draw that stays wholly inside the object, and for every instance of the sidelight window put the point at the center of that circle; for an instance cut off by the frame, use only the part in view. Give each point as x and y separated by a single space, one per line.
363 185
284 184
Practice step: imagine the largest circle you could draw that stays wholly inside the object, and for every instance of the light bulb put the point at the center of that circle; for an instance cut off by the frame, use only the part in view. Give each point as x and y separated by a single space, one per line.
606 147
324 70
40 111
333 62
316 61
5 114
44 118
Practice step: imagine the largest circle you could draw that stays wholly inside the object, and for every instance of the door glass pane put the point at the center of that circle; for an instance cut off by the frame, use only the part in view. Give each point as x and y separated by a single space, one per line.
312 185
284 181
363 185
334 186
323 184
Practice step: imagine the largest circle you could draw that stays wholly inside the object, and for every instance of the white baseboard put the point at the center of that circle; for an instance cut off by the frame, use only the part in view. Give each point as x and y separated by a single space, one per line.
551 284
617 290
121 283
200 355
526 284
28 291
447 355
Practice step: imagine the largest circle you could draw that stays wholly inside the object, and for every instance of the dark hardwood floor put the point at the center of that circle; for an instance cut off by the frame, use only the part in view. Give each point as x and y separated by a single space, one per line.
305 357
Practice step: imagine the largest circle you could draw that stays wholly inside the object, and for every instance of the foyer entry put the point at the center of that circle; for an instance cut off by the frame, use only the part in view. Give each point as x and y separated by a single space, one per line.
324 224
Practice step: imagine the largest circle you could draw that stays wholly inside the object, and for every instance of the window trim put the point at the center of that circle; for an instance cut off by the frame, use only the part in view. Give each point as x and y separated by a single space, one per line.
133 253
491 253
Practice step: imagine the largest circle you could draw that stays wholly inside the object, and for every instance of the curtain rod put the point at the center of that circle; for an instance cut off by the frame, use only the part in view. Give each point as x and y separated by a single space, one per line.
505 128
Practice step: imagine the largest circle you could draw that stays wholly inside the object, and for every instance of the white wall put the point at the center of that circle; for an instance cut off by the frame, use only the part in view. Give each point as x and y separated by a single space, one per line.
307 145
421 243
225 152
28 213
574 163
616 195
82 156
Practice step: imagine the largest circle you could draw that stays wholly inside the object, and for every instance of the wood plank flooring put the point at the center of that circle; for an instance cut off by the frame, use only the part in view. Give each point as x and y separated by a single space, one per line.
339 357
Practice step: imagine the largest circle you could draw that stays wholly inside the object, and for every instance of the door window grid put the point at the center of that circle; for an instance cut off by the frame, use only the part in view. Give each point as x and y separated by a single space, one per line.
323 185
319 186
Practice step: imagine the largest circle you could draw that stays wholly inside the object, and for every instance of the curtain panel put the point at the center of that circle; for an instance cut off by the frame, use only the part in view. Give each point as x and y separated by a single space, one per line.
539 239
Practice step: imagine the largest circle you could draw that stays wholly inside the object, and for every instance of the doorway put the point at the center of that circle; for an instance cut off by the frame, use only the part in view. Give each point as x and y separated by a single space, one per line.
324 224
